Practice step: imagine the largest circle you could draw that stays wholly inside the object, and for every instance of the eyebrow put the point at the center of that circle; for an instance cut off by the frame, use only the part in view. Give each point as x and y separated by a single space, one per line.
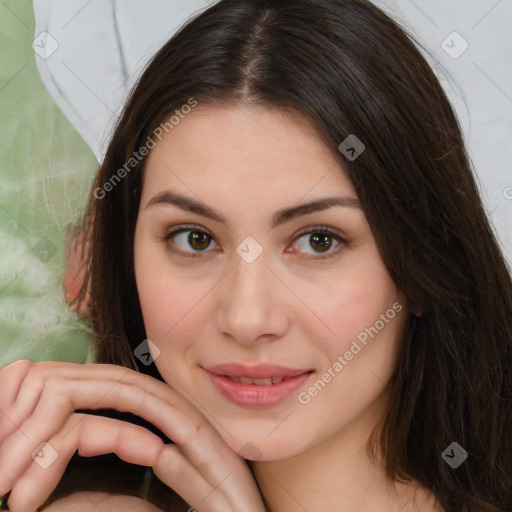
280 217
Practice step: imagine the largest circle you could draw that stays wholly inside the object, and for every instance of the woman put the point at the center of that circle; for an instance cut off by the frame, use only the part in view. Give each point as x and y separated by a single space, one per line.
287 212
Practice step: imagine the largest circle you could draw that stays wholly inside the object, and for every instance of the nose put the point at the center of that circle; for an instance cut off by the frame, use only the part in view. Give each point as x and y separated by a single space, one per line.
250 306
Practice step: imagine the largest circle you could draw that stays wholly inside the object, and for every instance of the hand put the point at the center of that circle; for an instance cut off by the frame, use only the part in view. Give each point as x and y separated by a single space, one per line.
38 403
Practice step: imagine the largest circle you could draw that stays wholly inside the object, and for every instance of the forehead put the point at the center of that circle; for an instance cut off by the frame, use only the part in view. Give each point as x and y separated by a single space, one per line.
244 148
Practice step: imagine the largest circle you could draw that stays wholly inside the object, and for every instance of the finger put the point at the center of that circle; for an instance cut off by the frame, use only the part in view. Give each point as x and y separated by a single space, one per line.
59 400
203 445
173 468
228 475
91 435
208 452
11 378
227 472
35 380
30 391
39 374
199 441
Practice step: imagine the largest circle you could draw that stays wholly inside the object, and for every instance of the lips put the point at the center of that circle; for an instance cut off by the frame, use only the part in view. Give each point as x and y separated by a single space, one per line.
262 371
256 386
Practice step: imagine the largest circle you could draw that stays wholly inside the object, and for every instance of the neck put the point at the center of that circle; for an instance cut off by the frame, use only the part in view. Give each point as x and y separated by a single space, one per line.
334 475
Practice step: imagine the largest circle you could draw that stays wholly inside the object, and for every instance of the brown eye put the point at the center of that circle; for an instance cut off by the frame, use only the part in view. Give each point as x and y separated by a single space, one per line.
198 240
321 242
188 241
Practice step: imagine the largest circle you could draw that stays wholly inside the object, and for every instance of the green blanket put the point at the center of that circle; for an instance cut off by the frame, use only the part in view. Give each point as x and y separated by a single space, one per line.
46 172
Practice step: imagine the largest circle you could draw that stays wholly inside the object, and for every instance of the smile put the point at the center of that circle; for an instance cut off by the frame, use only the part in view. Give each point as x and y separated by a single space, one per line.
258 386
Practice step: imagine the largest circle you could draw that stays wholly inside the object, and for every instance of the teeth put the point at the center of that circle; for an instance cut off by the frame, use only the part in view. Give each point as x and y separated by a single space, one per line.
262 382
257 382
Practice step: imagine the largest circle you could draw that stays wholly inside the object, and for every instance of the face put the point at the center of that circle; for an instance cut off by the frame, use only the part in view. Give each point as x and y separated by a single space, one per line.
279 319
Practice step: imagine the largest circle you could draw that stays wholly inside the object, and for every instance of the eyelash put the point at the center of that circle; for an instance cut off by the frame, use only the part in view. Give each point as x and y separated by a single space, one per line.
166 239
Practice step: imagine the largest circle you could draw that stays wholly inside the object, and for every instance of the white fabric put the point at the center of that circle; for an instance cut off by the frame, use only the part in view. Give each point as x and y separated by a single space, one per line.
103 45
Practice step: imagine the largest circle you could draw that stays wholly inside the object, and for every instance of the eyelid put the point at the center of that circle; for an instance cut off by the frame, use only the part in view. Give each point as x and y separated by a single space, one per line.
186 227
319 228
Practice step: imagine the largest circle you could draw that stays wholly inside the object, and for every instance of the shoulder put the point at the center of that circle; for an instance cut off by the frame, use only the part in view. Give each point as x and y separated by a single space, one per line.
416 498
94 501
424 501
106 477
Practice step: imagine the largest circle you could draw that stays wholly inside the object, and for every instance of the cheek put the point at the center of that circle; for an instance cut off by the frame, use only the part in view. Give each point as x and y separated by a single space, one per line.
368 320
170 306
353 301
160 300
358 362
173 305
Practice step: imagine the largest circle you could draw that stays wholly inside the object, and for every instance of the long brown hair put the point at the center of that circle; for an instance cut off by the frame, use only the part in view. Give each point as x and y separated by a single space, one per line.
350 69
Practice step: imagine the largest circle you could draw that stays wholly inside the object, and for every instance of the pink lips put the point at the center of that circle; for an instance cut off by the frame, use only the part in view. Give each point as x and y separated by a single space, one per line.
256 386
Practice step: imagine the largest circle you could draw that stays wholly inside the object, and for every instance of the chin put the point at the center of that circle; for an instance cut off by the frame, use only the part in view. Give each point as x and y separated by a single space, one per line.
261 448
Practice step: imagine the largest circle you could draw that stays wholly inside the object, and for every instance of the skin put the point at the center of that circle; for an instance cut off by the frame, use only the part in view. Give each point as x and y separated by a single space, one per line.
291 306
94 501
288 307
40 431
